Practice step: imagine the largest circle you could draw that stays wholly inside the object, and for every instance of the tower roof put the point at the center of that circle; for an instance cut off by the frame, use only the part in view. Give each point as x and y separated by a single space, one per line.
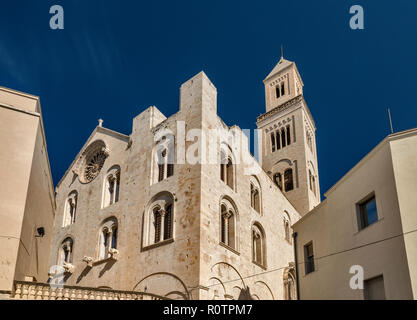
281 65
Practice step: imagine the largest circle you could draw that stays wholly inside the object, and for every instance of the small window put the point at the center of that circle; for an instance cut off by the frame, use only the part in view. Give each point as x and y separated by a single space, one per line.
282 89
288 135
277 91
278 136
283 138
288 180
273 141
374 288
309 258
278 180
367 213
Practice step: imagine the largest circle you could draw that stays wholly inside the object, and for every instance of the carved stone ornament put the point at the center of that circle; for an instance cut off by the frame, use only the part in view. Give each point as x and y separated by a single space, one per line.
114 254
89 261
68 268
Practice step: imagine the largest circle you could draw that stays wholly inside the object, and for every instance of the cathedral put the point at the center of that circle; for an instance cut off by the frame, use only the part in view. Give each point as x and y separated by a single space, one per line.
179 208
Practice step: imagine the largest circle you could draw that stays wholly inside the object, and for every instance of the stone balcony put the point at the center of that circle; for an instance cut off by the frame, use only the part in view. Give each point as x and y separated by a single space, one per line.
41 291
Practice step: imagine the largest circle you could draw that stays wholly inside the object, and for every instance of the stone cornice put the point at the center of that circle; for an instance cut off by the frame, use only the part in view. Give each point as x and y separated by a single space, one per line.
285 106
280 108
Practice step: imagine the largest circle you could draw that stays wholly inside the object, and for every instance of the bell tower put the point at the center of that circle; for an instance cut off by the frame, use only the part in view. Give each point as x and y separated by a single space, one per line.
287 139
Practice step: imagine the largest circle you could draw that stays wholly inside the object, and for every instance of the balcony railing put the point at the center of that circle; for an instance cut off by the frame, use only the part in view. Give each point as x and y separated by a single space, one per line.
41 291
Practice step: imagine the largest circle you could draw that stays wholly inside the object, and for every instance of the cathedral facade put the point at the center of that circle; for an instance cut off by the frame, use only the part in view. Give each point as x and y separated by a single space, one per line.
179 208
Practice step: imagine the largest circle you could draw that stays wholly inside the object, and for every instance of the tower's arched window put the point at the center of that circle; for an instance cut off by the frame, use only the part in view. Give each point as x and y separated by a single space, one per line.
278 136
288 180
159 220
111 187
65 251
278 180
258 245
283 138
70 209
273 141
164 158
278 91
228 224
107 238
282 89
288 135
227 168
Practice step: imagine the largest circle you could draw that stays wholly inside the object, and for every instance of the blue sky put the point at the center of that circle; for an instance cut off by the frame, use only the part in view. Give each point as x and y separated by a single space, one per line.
116 58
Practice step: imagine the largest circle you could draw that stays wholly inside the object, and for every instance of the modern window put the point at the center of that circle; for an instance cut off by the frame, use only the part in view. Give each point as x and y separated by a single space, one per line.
374 289
70 209
309 258
367 213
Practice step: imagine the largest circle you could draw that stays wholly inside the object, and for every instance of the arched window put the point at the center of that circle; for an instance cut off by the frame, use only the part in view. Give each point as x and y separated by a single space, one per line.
278 91
228 224
288 180
162 223
283 138
278 140
282 89
227 168
255 193
164 158
273 141
287 227
111 187
288 135
65 252
107 238
278 180
70 209
290 289
258 245
159 220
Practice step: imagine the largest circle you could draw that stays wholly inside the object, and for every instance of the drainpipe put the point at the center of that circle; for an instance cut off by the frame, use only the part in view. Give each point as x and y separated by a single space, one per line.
294 235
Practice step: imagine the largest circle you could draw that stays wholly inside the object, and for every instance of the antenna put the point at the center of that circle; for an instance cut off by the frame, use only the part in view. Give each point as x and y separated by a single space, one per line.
390 120
282 51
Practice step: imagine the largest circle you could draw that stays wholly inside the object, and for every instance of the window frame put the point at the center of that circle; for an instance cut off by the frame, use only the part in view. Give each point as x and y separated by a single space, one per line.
362 213
309 263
